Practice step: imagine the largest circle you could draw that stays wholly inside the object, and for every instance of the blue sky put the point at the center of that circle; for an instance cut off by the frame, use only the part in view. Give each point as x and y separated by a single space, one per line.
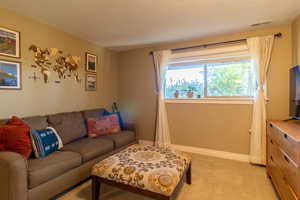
9 68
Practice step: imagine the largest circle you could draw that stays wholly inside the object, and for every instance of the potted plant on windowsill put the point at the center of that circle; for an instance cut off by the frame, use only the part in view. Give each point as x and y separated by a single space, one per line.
190 91
176 94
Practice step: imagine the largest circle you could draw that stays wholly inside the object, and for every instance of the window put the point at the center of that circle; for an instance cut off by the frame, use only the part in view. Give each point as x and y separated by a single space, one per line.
220 77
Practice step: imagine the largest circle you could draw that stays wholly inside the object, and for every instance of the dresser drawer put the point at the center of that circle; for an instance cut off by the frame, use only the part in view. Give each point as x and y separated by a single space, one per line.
283 157
272 168
290 170
285 142
279 182
273 151
284 189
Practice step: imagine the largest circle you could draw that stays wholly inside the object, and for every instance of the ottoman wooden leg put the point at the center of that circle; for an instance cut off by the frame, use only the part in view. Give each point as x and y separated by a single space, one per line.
96 184
189 174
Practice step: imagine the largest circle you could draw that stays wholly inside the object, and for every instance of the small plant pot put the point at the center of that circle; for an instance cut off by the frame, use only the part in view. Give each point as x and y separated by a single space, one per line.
190 94
176 94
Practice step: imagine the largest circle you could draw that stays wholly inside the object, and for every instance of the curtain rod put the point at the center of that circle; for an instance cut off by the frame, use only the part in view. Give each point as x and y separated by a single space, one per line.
277 35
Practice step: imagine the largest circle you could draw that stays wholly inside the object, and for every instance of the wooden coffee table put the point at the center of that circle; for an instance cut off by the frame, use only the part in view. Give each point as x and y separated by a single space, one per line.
149 170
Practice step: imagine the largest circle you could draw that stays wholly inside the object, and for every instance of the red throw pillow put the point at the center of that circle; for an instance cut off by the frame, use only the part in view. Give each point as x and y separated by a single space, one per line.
103 125
15 137
17 122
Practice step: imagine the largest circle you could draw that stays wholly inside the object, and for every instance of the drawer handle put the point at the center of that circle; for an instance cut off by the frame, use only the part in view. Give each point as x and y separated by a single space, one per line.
271 125
271 158
285 136
271 141
284 179
286 159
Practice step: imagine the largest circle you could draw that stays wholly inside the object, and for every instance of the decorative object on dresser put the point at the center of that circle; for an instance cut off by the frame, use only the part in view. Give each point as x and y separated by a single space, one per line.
283 157
10 75
91 62
91 82
9 43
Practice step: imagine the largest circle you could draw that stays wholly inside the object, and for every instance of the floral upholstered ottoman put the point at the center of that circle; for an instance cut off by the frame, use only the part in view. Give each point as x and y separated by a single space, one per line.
145 169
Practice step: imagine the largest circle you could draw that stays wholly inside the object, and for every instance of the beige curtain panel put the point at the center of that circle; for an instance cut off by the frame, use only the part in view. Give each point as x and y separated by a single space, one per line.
161 59
260 49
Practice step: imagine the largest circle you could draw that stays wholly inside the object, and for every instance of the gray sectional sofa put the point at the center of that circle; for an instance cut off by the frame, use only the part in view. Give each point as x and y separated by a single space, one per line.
41 179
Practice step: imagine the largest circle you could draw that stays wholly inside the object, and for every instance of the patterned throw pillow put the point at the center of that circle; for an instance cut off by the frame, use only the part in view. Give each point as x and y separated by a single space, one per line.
103 125
14 136
121 122
45 142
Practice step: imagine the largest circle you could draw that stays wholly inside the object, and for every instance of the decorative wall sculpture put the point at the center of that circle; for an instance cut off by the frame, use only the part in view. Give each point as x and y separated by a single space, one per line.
53 60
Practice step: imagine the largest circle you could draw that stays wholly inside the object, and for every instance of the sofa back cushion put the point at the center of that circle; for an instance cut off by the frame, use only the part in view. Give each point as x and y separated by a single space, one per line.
93 113
69 126
37 122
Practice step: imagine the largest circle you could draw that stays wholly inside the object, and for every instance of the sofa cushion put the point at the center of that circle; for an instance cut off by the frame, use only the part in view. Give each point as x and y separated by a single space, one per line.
90 148
93 113
37 122
41 170
69 126
122 138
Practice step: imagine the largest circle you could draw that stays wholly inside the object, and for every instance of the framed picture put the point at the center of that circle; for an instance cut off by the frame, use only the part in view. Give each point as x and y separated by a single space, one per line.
9 43
10 75
91 62
91 82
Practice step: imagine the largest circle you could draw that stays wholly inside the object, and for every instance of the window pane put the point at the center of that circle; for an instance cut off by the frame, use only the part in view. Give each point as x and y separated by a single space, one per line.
187 81
229 79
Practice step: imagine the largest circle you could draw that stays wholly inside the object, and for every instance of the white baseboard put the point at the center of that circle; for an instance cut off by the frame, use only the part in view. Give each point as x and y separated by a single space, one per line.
146 142
207 152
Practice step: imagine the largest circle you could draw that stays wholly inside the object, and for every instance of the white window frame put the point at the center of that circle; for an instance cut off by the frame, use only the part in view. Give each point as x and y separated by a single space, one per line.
212 100
223 54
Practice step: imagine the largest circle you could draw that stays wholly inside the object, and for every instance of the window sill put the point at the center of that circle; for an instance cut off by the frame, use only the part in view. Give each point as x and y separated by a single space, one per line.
213 100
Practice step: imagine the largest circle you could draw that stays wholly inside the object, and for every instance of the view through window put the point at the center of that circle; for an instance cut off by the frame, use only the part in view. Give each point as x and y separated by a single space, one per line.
220 79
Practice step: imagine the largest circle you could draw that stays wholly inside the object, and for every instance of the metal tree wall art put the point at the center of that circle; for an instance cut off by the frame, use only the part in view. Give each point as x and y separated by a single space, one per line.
66 66
41 59
47 60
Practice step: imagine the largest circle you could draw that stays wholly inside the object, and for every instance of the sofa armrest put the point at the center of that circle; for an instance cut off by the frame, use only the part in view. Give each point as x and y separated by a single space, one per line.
13 176
131 127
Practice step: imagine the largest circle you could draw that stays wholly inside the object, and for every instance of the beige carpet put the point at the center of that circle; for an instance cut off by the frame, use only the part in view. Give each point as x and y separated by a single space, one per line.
212 179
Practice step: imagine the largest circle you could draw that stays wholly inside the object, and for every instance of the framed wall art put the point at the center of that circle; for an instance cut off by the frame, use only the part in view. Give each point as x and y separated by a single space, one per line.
91 82
9 43
91 62
10 75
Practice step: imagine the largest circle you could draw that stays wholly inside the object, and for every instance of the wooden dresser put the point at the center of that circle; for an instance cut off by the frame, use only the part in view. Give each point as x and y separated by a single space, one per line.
283 157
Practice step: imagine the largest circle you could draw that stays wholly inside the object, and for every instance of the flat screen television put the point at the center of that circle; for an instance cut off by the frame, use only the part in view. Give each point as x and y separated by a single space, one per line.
295 92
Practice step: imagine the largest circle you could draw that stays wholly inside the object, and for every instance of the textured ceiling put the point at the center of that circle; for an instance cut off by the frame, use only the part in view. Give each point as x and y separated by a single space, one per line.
125 24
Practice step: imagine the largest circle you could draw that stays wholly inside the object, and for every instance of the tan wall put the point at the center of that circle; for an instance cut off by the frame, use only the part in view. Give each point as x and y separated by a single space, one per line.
39 98
296 41
219 127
